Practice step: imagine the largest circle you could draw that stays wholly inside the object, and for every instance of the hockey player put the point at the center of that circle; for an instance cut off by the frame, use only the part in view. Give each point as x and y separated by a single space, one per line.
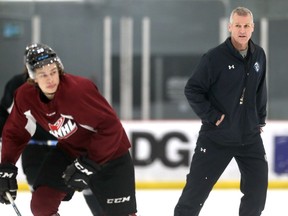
92 149
228 92
41 142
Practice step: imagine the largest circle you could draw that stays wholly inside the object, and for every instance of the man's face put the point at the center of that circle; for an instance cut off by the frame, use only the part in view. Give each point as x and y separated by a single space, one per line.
241 30
47 78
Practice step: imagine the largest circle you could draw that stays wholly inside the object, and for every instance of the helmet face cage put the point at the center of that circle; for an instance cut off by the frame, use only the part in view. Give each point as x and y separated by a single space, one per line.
39 55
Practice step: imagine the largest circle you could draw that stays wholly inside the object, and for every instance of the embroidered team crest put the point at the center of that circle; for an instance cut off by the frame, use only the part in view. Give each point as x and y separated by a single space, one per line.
256 67
63 128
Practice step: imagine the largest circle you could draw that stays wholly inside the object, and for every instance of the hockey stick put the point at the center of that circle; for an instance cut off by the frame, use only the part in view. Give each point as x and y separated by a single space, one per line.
13 203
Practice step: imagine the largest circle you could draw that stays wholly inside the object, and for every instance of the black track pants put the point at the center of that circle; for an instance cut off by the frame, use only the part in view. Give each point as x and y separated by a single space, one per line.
209 162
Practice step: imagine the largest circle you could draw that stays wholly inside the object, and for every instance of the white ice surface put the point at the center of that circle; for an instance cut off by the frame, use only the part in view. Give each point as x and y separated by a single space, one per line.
162 202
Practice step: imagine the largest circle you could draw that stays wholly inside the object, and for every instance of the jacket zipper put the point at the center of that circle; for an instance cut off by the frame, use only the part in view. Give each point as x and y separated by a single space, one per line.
242 96
243 93
241 101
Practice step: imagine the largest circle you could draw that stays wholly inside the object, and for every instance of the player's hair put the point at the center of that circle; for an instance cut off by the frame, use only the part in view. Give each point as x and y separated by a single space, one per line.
241 11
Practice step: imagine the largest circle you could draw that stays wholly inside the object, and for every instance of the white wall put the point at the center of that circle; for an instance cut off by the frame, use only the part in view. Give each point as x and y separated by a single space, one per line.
163 150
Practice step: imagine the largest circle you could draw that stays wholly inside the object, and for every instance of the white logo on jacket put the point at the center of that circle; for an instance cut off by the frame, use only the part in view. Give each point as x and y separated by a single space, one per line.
256 66
63 128
231 67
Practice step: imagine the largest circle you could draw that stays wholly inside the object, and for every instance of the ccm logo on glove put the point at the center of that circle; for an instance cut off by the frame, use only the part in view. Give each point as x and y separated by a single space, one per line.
82 169
6 175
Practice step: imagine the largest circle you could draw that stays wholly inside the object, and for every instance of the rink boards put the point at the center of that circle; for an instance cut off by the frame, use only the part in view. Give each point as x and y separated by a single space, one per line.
162 152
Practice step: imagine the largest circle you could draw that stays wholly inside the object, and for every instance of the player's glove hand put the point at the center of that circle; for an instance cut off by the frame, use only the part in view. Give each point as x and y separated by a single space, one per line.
8 182
78 174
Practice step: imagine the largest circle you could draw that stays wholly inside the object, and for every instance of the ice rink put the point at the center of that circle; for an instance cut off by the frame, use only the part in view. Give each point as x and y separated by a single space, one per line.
162 202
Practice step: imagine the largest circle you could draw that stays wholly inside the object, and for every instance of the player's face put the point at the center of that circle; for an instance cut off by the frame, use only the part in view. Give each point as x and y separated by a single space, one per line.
241 31
47 78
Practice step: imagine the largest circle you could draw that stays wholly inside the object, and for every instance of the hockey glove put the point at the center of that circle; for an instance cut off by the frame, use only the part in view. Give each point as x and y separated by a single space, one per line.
78 174
8 182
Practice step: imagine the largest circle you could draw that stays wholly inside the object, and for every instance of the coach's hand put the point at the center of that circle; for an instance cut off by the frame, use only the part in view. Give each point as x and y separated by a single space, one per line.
8 182
78 174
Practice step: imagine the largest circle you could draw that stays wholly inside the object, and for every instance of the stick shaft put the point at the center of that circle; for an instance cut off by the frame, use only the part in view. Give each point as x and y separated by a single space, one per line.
13 203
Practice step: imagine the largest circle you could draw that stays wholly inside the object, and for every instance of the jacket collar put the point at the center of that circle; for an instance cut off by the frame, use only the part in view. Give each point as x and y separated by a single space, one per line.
251 46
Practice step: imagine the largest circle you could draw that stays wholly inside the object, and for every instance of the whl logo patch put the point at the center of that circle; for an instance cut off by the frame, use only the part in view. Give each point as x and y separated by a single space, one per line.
63 128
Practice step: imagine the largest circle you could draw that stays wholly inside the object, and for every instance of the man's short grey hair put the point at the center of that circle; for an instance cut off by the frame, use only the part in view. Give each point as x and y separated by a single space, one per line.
241 11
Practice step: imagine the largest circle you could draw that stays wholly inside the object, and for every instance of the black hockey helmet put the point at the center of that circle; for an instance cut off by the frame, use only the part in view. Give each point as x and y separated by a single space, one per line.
38 55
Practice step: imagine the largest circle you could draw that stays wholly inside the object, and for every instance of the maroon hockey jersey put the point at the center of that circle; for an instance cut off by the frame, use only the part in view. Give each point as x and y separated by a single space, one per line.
78 116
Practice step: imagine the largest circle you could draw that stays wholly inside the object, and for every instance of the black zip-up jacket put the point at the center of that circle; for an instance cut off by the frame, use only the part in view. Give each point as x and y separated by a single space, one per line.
226 83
